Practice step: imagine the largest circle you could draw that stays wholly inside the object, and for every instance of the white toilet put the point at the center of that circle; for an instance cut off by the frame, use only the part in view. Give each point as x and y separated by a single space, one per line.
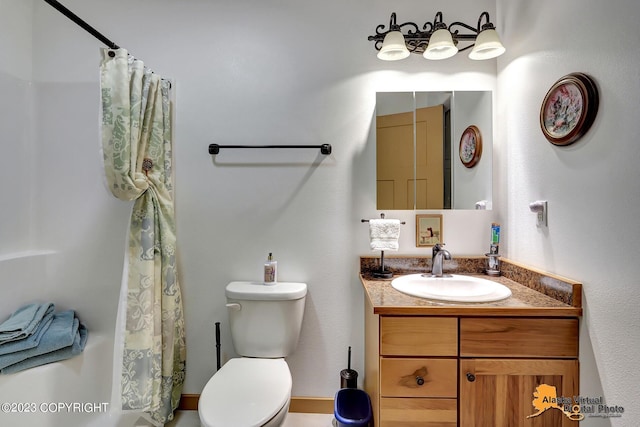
254 390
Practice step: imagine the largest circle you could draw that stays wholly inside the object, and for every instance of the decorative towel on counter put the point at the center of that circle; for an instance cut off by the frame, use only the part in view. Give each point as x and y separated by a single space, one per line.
384 234
24 322
65 337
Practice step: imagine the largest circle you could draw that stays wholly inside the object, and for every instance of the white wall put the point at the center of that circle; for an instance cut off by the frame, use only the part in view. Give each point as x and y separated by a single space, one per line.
17 159
23 263
250 73
274 81
591 186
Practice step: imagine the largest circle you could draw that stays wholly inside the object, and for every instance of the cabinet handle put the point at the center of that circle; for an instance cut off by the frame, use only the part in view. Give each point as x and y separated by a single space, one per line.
470 377
415 379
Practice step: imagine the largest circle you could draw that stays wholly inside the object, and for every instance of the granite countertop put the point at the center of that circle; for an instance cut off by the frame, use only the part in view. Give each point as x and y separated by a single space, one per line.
534 293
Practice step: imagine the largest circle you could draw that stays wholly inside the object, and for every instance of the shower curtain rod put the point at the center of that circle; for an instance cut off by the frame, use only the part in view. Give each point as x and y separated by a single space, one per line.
88 28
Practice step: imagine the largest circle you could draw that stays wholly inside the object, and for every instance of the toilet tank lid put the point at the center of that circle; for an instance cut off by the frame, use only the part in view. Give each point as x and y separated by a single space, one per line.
258 291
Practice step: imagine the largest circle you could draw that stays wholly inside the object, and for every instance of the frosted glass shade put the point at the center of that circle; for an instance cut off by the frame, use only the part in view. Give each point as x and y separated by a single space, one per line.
488 45
393 47
440 45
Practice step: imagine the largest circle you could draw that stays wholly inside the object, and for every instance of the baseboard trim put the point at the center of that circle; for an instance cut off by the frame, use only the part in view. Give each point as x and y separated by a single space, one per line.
312 405
307 405
188 402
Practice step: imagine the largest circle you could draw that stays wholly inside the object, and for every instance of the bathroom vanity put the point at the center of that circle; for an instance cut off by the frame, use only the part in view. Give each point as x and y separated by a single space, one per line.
434 363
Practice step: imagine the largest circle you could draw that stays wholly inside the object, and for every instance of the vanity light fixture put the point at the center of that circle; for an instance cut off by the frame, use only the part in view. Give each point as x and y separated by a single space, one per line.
393 47
436 40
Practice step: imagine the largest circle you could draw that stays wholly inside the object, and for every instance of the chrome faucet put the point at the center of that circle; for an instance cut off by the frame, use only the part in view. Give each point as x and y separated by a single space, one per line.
437 254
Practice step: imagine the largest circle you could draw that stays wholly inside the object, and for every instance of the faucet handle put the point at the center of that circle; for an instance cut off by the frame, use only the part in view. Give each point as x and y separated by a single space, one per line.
437 248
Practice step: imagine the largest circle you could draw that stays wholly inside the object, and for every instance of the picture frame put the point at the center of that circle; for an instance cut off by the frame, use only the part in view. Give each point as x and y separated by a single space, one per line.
569 109
428 229
470 149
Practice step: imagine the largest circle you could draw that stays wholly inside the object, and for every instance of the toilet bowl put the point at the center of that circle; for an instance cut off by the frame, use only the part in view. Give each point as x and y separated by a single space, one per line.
247 392
255 390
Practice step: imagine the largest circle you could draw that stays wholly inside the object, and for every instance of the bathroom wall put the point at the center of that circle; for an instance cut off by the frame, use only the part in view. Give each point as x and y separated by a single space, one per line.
591 186
245 72
288 72
22 261
16 161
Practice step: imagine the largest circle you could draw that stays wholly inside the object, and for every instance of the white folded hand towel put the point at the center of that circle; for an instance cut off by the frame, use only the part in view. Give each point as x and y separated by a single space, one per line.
384 234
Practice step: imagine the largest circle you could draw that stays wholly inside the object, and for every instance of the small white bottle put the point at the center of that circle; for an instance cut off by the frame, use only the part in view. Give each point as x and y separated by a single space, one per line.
270 271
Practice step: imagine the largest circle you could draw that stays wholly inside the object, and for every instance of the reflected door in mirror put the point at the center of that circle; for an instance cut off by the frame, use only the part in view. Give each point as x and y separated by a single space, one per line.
394 158
396 186
429 157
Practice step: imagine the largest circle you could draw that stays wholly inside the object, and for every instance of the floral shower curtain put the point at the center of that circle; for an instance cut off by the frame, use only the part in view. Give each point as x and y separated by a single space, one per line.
149 362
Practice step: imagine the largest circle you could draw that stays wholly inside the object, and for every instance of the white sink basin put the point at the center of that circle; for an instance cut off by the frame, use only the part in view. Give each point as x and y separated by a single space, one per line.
453 287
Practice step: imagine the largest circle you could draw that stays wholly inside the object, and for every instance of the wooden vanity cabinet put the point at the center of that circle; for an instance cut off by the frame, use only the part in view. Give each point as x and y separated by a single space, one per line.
504 360
418 371
499 392
447 371
411 369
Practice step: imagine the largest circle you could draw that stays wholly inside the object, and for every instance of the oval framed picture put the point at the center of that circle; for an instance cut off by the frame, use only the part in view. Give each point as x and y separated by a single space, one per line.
569 109
470 146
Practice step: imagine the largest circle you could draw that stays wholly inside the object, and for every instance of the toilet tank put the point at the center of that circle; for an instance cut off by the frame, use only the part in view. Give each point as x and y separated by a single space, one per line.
265 320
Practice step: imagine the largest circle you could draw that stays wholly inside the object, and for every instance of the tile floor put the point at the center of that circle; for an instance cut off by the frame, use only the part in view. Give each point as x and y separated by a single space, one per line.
190 419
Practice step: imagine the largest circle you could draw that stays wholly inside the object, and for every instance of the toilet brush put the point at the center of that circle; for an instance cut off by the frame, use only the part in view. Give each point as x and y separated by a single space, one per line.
348 377
217 346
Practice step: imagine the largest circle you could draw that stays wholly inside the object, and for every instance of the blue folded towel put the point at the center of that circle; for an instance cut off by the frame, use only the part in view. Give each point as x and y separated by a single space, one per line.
64 338
32 340
23 322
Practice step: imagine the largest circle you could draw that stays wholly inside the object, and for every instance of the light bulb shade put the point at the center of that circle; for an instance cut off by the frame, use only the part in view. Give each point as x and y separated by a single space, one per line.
440 45
393 47
488 45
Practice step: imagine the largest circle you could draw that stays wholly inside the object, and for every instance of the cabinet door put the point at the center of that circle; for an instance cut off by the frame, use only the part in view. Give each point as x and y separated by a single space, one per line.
500 392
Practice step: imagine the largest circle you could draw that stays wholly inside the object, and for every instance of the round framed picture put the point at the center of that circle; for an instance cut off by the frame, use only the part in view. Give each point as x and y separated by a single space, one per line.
470 146
569 109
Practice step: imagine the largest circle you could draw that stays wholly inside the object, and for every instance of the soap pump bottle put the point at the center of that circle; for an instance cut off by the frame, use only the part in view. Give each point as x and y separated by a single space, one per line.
270 271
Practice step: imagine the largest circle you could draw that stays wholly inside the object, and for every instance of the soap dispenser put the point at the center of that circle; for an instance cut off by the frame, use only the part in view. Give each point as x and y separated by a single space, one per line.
270 271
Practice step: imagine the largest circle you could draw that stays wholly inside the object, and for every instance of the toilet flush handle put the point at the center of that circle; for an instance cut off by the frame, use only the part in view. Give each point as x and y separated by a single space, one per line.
234 306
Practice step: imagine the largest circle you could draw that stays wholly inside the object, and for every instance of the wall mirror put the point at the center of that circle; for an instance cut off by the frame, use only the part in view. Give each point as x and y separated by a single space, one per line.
419 138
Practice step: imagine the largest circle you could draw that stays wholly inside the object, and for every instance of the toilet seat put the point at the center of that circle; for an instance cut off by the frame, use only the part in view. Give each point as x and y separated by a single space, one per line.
245 392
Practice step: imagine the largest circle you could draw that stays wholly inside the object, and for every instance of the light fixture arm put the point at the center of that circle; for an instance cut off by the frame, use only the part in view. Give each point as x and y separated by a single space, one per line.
437 23
488 25
393 26
417 40
458 36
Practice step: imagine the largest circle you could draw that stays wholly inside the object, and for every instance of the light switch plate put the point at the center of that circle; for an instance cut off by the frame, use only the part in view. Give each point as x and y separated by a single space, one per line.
542 216
539 207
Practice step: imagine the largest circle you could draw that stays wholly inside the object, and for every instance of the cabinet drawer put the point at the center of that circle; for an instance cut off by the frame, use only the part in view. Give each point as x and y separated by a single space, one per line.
418 336
518 337
399 377
399 412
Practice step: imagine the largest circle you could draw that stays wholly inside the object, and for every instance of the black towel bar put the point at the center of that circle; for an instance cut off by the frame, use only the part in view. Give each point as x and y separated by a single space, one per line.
324 148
